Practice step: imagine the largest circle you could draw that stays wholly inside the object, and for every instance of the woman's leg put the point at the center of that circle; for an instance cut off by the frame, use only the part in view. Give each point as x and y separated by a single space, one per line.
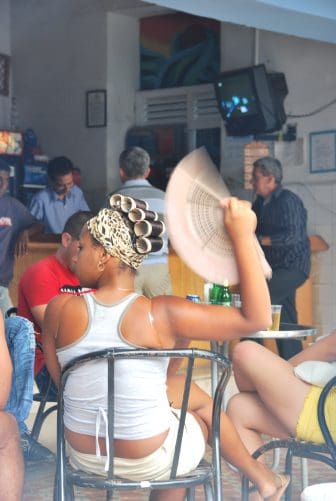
280 393
232 448
168 495
251 419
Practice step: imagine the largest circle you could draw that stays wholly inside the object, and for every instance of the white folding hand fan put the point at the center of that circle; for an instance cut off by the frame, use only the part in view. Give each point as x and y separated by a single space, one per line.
195 220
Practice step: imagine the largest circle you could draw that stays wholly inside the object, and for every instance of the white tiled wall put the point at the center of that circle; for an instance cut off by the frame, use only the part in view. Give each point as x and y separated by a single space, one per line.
320 201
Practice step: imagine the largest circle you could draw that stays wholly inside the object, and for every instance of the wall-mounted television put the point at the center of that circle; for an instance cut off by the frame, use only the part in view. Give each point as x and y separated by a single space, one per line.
250 100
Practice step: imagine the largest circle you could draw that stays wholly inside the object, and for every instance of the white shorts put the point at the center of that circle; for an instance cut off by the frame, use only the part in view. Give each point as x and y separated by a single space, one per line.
157 465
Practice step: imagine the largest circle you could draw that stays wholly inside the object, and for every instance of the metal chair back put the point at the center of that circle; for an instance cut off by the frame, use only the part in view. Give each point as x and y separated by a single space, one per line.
207 474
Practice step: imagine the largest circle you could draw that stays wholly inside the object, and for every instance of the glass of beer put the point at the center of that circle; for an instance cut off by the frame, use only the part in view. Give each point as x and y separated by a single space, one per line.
276 314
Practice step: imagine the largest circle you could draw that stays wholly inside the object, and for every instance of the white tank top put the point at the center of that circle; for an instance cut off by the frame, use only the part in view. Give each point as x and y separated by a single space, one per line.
141 404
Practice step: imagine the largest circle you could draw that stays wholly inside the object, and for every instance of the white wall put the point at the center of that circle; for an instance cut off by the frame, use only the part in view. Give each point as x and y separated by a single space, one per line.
4 49
59 52
123 80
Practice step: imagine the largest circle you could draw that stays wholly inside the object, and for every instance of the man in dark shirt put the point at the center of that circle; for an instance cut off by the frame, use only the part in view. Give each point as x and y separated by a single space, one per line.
17 225
282 233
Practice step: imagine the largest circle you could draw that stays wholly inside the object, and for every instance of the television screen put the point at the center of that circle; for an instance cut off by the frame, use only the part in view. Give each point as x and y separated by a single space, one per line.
237 96
247 101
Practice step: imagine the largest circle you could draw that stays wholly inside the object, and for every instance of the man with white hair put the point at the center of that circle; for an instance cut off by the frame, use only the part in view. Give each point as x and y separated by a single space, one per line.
152 278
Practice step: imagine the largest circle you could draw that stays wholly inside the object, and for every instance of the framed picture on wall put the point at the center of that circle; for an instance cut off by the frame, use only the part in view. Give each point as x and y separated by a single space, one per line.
322 151
96 108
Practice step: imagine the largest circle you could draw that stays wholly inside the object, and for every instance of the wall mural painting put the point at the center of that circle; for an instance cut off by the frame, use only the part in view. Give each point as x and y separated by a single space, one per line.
178 50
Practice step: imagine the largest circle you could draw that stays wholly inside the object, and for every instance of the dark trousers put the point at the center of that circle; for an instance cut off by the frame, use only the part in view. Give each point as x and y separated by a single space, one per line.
282 288
43 380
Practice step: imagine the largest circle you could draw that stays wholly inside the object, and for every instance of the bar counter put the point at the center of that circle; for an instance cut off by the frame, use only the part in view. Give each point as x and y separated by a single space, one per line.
37 249
184 280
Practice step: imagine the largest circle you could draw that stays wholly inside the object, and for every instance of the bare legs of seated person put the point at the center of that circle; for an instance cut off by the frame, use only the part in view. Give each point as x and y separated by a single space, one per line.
269 485
11 461
271 397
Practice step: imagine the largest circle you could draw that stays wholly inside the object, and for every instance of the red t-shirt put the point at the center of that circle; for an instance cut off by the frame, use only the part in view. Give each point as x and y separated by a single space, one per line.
38 285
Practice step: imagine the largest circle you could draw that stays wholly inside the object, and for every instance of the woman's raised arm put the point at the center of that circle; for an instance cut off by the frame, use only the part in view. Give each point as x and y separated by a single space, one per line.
196 321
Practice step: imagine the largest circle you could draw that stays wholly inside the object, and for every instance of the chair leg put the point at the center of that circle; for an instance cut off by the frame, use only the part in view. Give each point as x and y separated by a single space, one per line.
244 488
40 417
288 471
191 494
209 493
304 473
63 491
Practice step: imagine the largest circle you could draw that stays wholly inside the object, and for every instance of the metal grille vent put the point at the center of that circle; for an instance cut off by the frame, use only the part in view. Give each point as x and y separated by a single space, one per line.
205 106
194 106
165 109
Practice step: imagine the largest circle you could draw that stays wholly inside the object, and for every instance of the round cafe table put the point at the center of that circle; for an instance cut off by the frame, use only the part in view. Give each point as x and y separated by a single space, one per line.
287 331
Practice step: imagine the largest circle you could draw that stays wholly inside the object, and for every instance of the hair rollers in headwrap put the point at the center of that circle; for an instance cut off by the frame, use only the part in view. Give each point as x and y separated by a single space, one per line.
115 201
140 215
111 230
128 230
149 228
145 245
129 203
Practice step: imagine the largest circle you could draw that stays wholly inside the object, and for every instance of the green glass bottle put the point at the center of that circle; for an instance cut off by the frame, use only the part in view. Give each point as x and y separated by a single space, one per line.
216 294
226 294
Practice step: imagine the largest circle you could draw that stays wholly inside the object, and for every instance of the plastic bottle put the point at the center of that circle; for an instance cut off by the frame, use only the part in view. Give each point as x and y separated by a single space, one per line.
206 292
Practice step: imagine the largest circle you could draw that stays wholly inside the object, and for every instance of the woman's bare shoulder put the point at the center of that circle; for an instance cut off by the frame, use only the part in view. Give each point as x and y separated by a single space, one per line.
62 300
63 306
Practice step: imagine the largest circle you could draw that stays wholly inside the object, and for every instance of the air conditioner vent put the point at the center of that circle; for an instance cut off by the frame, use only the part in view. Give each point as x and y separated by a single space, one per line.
194 106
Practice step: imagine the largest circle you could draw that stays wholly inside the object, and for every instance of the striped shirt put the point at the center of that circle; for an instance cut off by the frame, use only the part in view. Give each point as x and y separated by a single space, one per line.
283 218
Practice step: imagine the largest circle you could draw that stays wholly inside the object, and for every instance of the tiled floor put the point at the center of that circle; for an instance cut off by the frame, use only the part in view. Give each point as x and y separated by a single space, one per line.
40 478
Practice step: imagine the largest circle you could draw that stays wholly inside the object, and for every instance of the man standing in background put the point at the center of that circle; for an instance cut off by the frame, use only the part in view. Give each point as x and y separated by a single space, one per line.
152 278
53 205
16 226
282 233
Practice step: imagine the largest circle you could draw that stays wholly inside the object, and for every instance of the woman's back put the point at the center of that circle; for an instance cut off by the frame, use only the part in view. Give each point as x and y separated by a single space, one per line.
140 401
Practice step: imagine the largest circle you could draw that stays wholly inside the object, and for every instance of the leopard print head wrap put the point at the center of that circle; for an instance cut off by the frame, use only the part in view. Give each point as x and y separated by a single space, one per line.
114 233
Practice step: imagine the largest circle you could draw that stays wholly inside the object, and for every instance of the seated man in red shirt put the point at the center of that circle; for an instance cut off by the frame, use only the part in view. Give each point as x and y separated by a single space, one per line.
43 280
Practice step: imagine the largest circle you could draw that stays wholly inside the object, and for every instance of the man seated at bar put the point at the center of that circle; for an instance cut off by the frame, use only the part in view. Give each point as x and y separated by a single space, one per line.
53 205
43 280
115 316
16 226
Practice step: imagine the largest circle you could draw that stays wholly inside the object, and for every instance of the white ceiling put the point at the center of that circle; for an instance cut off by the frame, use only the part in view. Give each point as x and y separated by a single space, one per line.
314 19
134 8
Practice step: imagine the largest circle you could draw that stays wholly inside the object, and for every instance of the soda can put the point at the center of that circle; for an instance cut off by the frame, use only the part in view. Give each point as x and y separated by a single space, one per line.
194 298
